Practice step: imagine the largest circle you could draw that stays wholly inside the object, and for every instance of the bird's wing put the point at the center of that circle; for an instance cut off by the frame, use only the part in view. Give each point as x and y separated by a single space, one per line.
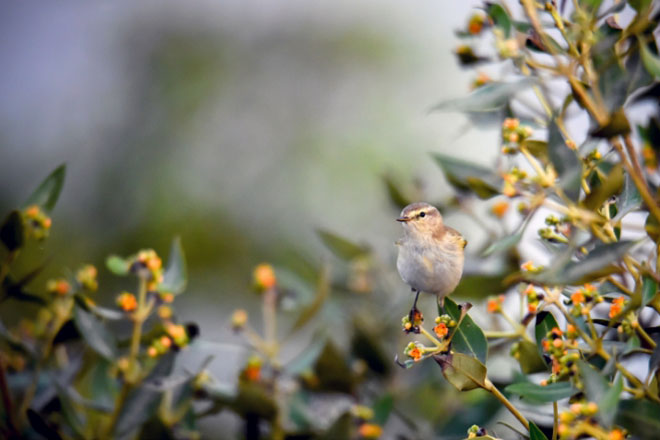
456 235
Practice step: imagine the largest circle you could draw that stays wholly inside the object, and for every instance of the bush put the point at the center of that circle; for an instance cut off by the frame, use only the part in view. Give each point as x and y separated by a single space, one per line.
583 329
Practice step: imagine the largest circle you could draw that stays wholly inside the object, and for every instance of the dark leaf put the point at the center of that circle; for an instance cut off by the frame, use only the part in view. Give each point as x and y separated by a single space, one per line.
254 399
46 195
341 428
537 394
468 338
117 265
487 98
529 358
467 176
382 409
12 231
639 417
341 247
175 276
565 162
612 185
41 426
535 433
366 345
462 371
141 404
545 322
332 370
617 125
95 334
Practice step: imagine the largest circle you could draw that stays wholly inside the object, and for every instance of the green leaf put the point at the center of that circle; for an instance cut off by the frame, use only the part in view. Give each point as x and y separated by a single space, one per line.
341 428
529 358
629 200
306 359
175 276
468 338
545 322
649 289
598 390
537 394
487 98
478 286
650 60
616 125
333 371
322 293
565 162
117 265
612 185
639 5
95 334
141 404
382 409
500 18
535 433
462 371
503 244
12 231
341 247
598 263
46 195
468 176
639 417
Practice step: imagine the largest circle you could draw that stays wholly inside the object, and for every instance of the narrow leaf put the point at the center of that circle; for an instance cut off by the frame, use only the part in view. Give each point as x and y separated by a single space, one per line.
529 358
565 162
95 334
649 289
468 337
464 175
537 394
598 390
487 98
322 293
598 263
175 277
341 247
650 60
545 322
535 433
629 200
500 18
46 195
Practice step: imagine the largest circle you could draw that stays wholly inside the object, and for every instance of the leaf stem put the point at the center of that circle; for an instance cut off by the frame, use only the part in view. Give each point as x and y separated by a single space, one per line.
488 386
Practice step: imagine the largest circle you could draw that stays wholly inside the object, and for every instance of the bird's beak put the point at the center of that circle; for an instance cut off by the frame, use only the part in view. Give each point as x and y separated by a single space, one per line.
403 219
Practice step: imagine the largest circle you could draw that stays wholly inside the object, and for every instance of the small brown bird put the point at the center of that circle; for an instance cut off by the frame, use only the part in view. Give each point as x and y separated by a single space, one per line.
431 254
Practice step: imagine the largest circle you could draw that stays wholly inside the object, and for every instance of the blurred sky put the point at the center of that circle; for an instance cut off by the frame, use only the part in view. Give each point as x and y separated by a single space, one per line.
241 126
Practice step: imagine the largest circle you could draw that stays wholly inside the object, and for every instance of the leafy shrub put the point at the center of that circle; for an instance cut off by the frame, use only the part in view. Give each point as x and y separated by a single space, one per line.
585 324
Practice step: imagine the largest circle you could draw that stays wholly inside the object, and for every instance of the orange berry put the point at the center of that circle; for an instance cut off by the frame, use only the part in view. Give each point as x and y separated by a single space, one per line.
264 276
127 301
152 352
577 297
167 297
557 343
441 330
47 223
253 373
370 431
166 342
500 208
32 211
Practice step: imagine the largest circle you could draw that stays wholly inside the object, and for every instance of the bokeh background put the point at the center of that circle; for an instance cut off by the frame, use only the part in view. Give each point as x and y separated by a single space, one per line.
243 128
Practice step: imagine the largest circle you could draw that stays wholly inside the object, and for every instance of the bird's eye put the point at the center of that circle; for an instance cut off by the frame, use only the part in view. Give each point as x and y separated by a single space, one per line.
422 214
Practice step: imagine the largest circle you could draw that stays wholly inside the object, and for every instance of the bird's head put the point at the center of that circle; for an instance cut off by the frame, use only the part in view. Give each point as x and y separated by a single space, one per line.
420 218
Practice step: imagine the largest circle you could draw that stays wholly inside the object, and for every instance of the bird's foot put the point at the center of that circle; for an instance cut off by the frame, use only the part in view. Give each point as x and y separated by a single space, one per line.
413 321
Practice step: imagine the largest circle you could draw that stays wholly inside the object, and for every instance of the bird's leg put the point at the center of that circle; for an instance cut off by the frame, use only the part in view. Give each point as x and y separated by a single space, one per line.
441 304
415 316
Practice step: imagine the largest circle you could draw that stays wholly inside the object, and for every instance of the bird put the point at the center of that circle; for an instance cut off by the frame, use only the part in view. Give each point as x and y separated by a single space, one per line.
431 254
